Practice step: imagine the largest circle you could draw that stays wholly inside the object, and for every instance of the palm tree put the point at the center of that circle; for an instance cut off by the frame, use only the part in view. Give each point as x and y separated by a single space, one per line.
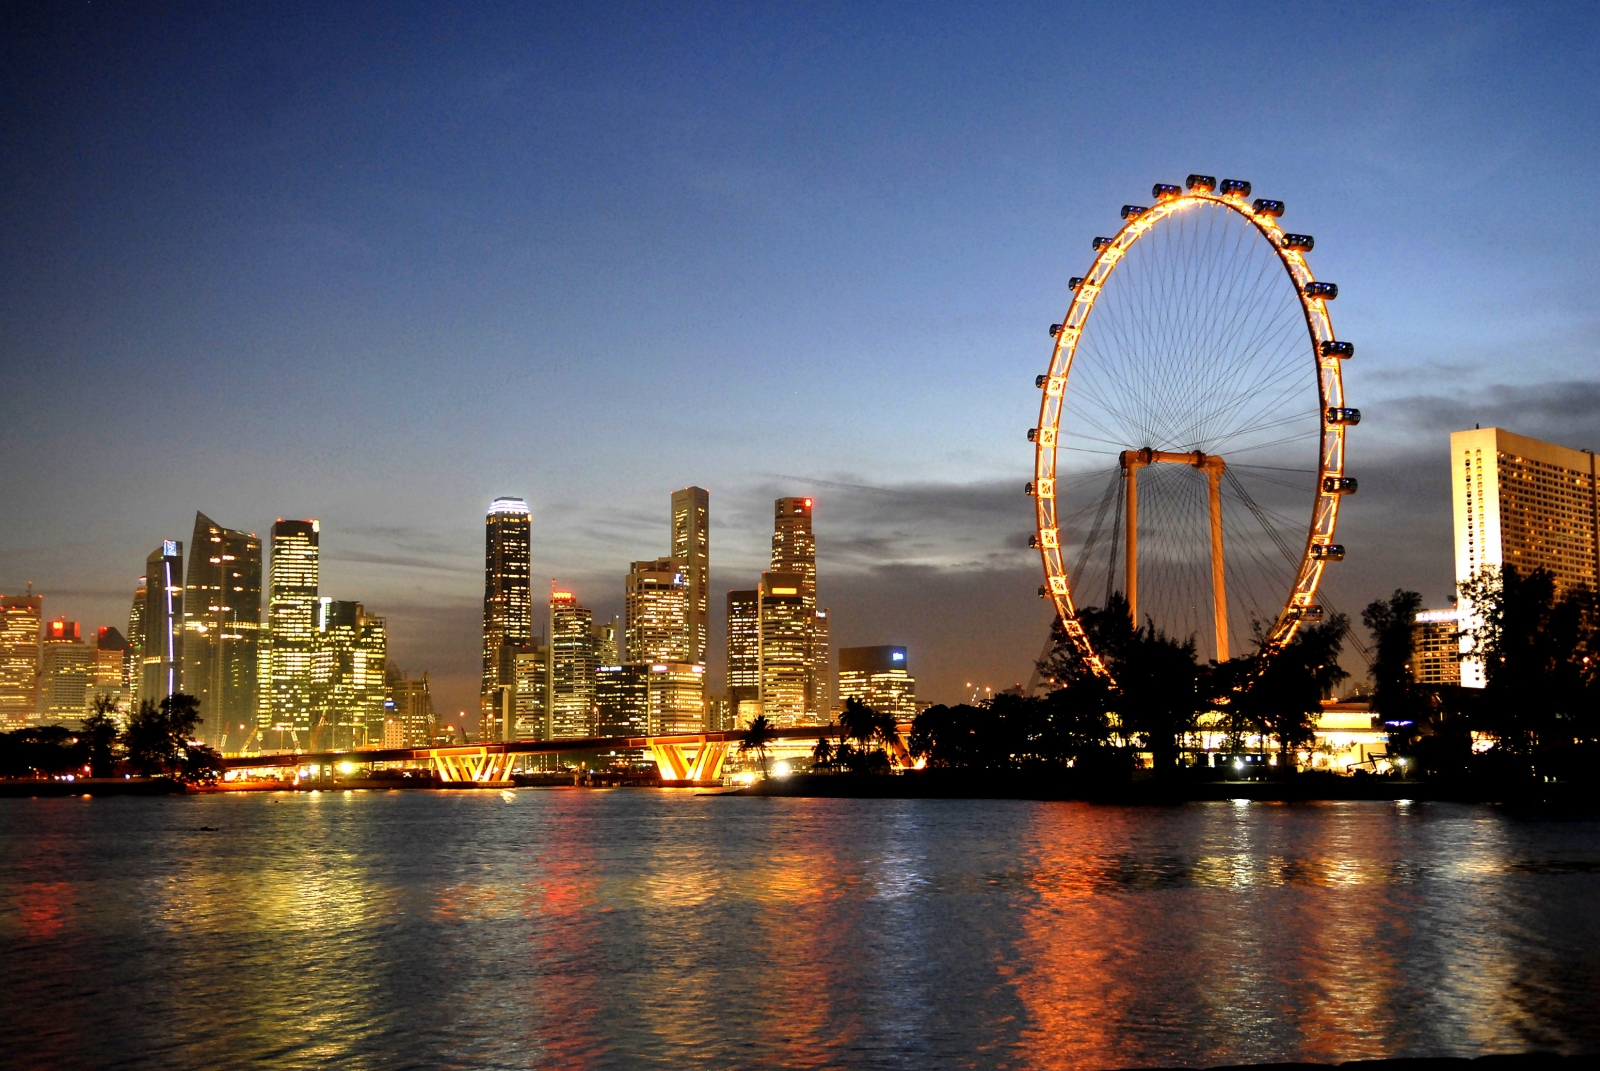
757 737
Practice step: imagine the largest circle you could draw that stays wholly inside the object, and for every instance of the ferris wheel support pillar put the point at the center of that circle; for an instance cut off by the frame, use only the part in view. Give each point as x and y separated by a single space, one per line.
1132 461
1219 593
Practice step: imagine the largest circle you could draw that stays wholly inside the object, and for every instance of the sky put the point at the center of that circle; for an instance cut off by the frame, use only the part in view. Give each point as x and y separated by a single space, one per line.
378 264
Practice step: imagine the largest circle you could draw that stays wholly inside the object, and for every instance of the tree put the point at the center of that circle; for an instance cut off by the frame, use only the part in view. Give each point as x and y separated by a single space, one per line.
757 738
158 737
822 754
1157 700
1285 698
99 737
1541 659
1395 696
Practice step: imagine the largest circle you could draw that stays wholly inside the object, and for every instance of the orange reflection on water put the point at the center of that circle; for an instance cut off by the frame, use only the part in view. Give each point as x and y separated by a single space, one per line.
44 907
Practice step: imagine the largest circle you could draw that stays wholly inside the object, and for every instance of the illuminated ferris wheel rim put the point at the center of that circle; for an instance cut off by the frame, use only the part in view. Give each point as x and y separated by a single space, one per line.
1326 351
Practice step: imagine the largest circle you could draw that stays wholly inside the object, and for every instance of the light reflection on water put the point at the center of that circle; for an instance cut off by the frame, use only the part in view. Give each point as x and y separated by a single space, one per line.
622 928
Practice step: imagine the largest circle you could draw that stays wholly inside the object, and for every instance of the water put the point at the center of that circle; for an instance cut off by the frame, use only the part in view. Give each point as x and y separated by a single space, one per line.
634 928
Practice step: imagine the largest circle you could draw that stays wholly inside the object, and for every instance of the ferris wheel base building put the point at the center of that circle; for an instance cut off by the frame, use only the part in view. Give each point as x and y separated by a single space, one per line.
1526 504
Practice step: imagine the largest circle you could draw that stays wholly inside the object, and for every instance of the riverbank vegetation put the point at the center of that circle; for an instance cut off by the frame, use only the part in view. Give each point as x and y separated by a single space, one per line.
1537 720
157 741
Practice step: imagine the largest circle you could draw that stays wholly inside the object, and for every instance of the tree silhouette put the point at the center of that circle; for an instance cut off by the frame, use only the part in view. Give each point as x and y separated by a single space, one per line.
757 738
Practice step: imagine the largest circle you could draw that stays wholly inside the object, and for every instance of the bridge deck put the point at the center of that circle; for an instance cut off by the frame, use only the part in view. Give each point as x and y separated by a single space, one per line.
515 747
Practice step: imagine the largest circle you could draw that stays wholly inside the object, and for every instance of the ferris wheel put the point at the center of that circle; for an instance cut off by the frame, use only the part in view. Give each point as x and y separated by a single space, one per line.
1189 453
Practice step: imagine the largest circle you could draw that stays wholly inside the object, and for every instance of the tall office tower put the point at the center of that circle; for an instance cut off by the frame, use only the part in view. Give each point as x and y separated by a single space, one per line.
691 545
656 612
136 643
528 669
720 714
65 666
622 700
794 548
292 579
794 552
572 668
162 623
222 631
677 698
744 655
411 705
819 697
1523 503
880 678
1436 647
608 642
20 618
348 681
507 594
110 675
785 655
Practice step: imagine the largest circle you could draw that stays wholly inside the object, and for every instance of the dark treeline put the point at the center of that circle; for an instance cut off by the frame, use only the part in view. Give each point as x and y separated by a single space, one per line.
1538 718
1162 695
157 741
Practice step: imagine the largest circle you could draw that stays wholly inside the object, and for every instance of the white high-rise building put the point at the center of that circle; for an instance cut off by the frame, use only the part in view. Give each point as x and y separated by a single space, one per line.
1525 504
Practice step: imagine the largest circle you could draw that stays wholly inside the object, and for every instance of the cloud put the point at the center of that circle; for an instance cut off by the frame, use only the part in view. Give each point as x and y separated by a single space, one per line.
1564 411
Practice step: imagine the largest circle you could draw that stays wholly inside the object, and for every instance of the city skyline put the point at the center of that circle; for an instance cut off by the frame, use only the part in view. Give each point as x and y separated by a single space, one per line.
780 248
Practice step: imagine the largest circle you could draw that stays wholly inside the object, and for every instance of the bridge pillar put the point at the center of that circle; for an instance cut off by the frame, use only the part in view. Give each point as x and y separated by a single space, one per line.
464 765
675 764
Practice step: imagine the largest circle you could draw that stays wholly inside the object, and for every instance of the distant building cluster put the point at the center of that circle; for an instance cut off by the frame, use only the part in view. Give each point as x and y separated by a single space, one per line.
314 674
576 678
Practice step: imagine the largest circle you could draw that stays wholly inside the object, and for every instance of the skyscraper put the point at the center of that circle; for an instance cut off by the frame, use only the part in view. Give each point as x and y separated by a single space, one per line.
111 668
677 698
657 612
785 655
691 545
529 672
794 553
65 665
879 677
141 592
20 618
622 700
744 655
411 704
222 631
608 641
162 623
507 594
572 668
1435 647
347 676
1526 504
293 576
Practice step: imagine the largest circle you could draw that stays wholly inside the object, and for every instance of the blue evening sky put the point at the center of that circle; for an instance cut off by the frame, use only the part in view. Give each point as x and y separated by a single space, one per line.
377 264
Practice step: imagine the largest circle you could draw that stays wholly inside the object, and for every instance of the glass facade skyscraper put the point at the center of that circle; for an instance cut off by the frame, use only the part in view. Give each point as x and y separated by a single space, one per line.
691 545
222 631
293 576
347 676
657 619
744 655
572 668
785 622
162 623
20 618
507 591
794 553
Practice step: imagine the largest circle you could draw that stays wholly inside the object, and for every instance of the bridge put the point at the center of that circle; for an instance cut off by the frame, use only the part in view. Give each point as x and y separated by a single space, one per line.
681 759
